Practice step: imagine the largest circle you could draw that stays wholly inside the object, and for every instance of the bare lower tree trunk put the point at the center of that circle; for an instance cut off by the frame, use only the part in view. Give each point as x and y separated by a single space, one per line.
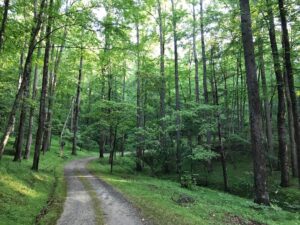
197 96
26 74
52 88
139 119
293 149
177 98
290 76
22 122
266 103
3 23
281 130
260 174
162 75
216 101
43 98
77 107
101 146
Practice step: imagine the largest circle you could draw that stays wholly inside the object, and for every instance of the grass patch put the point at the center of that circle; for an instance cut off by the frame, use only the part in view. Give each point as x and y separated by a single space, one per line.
99 216
155 198
28 197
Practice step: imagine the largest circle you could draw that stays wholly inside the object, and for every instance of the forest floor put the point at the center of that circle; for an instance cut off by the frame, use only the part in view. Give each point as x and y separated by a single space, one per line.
163 201
91 201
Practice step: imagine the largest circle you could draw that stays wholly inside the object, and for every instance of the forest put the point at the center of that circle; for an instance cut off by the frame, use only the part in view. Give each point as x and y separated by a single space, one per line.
181 111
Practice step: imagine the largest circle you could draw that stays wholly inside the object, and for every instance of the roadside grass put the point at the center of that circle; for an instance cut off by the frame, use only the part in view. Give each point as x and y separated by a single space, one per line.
155 199
28 197
240 181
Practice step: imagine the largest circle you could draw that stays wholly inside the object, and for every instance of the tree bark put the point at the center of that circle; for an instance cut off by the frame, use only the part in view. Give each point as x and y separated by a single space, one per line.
26 74
44 90
32 108
281 111
139 113
77 107
197 96
177 97
221 146
162 84
266 103
3 23
260 175
52 89
205 93
22 122
290 78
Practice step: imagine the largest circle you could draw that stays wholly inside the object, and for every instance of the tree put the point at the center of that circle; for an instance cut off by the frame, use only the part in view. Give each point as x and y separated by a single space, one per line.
259 164
3 23
26 74
177 98
289 75
44 90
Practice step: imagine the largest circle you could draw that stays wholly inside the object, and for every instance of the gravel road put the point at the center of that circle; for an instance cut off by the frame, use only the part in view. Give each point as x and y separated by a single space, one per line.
78 207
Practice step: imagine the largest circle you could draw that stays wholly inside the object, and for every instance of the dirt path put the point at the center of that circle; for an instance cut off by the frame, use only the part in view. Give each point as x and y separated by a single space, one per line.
78 207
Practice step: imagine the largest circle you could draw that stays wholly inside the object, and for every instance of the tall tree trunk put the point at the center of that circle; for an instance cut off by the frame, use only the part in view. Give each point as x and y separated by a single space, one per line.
266 103
139 113
44 90
260 173
22 122
283 151
50 101
292 141
205 92
221 146
52 89
3 23
77 107
26 74
177 98
32 108
162 83
195 56
290 78
101 146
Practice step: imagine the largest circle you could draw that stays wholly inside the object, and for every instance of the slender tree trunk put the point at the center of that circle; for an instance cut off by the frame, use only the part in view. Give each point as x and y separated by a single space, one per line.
139 119
195 57
266 103
290 78
163 85
101 146
283 151
26 74
32 108
51 81
260 174
52 88
177 98
77 107
205 93
3 23
204 67
44 90
293 149
216 101
22 122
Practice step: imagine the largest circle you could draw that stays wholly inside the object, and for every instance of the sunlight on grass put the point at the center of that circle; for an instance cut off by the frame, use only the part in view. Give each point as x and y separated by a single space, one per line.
18 186
155 198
